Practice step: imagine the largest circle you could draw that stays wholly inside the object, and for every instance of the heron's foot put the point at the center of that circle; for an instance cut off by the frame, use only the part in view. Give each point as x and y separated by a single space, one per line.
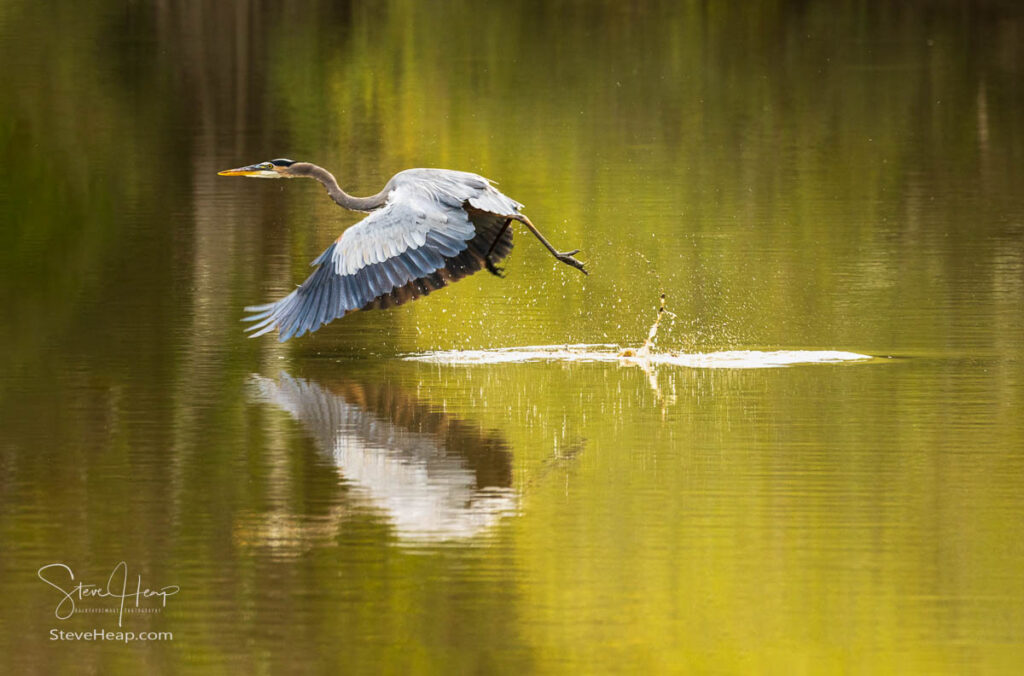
567 258
492 268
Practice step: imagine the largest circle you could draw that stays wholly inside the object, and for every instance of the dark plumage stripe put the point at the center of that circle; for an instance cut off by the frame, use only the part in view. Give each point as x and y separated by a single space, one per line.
464 263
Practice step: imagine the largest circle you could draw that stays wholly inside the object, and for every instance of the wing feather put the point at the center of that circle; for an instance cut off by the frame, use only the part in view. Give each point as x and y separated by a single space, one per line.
437 227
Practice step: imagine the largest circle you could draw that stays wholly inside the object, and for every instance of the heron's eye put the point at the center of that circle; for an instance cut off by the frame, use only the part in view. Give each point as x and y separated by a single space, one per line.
266 165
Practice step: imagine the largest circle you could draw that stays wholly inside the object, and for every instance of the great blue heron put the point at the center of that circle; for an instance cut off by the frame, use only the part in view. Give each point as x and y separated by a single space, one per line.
426 228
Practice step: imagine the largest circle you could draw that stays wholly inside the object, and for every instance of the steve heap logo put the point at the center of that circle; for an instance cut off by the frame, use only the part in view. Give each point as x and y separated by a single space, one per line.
125 595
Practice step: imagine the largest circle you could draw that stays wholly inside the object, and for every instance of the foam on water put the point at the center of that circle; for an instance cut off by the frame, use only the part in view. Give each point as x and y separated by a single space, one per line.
730 359
645 357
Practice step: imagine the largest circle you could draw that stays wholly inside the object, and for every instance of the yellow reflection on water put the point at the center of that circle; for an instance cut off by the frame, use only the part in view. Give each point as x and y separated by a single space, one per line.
796 177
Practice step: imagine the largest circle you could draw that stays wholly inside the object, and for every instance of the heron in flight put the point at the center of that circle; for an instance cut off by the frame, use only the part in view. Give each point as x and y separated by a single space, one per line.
425 229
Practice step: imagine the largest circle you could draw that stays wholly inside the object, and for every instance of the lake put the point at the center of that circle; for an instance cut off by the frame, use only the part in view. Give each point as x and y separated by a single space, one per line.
478 482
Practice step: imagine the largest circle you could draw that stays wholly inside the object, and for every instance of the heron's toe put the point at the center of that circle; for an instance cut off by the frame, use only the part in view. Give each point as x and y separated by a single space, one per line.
569 260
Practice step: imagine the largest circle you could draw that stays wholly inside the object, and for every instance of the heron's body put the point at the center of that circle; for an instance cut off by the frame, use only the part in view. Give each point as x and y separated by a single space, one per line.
425 229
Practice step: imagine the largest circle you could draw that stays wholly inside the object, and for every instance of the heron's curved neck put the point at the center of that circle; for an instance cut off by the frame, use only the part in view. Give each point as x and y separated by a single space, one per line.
334 190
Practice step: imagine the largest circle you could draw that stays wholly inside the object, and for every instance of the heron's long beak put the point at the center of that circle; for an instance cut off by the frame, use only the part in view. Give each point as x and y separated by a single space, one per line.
252 170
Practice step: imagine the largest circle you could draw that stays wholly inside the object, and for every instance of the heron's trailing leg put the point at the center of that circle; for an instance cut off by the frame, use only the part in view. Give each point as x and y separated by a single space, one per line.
564 256
491 267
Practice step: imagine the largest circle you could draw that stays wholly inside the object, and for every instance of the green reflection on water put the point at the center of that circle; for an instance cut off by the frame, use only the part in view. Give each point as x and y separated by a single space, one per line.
823 176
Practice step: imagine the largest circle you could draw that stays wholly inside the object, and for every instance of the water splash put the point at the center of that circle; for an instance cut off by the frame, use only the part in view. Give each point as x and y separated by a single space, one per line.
645 350
643 356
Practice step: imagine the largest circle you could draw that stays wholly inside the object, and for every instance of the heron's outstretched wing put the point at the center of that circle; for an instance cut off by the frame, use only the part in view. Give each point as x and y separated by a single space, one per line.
420 241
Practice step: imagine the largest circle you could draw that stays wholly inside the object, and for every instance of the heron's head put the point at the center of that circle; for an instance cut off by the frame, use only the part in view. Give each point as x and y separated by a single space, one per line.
273 169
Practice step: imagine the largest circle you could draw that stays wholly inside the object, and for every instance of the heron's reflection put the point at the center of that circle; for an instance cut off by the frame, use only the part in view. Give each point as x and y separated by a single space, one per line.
435 477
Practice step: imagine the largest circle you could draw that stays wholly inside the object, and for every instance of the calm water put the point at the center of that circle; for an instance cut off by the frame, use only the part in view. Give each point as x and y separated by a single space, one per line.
824 177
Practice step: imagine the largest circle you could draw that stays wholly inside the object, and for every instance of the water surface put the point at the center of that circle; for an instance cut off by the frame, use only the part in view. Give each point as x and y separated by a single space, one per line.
801 181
